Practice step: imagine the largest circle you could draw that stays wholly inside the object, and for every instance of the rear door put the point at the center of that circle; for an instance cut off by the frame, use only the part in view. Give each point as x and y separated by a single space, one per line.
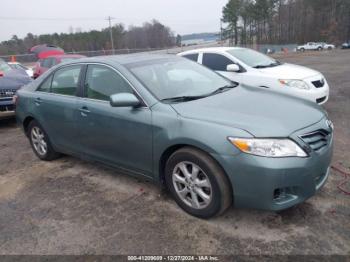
120 136
56 106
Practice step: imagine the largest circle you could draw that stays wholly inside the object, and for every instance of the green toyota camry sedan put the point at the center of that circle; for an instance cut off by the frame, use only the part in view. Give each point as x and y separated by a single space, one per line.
213 143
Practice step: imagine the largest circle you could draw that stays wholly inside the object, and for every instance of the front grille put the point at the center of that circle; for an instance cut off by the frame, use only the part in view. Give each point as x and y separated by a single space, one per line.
320 100
7 108
318 83
7 92
317 140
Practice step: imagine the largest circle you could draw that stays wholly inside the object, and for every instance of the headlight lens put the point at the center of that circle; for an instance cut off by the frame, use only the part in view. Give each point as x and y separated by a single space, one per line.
268 147
300 84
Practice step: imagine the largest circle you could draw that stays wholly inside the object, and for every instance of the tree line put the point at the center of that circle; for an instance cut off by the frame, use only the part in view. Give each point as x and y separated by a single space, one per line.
286 21
150 35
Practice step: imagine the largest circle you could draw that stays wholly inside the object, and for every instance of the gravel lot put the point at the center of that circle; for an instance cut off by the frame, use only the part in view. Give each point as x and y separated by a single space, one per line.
70 206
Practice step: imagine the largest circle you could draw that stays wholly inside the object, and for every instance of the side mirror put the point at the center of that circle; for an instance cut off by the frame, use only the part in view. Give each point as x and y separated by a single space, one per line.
124 100
232 68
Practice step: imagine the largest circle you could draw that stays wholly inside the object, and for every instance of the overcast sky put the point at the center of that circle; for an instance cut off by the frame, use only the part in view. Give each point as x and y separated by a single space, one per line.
182 16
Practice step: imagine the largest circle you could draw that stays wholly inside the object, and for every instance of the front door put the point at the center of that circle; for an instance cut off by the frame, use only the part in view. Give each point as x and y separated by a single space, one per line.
219 63
121 136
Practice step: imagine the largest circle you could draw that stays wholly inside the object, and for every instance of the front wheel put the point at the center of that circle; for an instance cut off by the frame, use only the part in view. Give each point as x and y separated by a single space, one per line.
40 142
197 183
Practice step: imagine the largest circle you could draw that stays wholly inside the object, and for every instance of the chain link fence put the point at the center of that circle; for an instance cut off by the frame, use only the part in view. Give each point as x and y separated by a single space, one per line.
266 48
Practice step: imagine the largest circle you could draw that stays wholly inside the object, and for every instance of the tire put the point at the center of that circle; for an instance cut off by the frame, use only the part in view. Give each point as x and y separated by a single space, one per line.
330 48
302 49
319 48
215 193
39 140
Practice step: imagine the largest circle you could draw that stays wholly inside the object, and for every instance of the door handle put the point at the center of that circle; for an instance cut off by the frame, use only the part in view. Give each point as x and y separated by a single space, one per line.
38 101
84 111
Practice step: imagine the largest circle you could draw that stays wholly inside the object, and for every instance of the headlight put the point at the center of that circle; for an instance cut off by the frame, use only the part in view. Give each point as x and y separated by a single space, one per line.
268 147
300 84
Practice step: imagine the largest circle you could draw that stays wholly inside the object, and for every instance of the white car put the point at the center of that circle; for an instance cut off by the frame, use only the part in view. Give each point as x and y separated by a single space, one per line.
310 46
253 68
19 66
326 46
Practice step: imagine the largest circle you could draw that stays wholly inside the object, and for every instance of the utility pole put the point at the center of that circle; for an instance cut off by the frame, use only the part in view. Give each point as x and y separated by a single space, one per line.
221 34
111 32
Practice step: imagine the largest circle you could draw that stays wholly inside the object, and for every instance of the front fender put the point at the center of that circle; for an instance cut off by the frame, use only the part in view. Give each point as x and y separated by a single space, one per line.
170 130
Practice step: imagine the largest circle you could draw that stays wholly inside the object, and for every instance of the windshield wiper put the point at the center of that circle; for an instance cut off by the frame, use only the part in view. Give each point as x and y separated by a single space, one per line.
190 98
181 98
223 88
269 65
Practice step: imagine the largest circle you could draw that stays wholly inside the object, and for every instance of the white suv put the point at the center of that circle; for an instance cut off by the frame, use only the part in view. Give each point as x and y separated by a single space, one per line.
252 68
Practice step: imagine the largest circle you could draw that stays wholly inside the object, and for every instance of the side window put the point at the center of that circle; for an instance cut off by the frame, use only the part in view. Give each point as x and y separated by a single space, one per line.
46 85
216 62
102 82
193 57
45 63
65 81
51 62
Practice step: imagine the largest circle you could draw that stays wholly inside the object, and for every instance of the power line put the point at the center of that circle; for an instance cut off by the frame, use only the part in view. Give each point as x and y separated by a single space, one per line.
49 18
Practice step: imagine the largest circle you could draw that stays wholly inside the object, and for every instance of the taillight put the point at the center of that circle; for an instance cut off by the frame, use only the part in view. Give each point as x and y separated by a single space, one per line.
1 73
15 99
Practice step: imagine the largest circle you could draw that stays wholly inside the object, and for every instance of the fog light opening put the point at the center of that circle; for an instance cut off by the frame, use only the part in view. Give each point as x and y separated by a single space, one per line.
279 194
283 195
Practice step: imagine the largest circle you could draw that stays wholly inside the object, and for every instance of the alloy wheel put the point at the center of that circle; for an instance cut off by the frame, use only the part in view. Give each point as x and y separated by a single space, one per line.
38 140
192 185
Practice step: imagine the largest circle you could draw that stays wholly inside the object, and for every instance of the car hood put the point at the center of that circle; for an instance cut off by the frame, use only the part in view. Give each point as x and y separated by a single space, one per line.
14 79
289 71
262 113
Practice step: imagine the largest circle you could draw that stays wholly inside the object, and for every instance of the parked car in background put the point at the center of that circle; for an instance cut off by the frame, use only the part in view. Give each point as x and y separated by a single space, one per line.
345 45
310 46
11 80
46 63
326 46
19 66
253 68
212 142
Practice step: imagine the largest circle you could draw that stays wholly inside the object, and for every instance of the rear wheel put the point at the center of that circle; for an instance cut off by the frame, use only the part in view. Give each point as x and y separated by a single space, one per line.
302 49
40 142
197 183
319 48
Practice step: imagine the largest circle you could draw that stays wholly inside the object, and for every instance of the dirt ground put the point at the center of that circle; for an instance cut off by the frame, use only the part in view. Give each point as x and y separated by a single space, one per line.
70 206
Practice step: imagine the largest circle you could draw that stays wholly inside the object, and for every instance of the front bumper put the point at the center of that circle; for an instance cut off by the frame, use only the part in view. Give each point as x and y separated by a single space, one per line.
276 183
7 108
316 95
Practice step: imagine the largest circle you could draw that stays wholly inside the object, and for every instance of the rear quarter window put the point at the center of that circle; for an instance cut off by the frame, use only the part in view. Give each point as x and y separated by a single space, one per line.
193 57
46 85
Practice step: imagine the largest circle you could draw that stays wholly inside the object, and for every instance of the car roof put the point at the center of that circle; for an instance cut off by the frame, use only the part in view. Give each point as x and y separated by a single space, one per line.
211 49
125 59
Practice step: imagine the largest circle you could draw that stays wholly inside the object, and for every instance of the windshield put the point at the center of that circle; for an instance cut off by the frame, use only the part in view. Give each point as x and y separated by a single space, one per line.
170 78
253 58
4 67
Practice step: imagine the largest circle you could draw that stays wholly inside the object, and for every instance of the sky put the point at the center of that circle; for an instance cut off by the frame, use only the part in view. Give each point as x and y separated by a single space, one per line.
46 16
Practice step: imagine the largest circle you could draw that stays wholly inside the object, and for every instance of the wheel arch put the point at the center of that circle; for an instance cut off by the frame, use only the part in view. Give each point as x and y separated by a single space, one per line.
26 123
175 147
